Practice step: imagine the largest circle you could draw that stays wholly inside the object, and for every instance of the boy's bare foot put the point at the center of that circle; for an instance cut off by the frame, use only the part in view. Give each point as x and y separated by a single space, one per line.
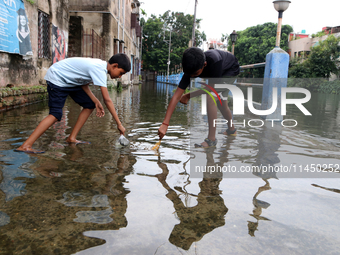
29 150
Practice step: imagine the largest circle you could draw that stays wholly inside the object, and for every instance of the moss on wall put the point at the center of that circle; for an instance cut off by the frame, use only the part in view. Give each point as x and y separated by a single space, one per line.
12 96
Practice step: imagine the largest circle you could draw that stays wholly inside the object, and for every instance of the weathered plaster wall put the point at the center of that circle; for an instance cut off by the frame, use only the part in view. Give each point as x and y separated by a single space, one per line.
43 5
93 5
15 70
93 21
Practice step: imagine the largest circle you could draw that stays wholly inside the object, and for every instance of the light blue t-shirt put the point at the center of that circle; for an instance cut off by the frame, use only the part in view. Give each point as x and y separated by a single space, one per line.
71 72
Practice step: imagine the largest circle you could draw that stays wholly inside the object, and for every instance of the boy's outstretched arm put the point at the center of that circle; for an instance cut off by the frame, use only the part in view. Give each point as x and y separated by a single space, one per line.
185 98
110 106
99 107
171 107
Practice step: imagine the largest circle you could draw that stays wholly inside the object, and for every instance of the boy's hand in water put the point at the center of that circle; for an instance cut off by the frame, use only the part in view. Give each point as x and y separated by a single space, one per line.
99 110
162 131
185 98
121 129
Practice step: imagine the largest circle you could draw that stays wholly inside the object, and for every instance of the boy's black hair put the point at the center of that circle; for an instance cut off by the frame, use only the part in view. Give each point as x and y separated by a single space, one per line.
193 60
122 60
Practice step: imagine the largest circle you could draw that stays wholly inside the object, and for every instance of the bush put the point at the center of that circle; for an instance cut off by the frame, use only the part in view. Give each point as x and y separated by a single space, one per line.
316 85
298 70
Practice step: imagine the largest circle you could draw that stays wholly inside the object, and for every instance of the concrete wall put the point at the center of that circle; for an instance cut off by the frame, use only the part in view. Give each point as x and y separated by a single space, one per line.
305 44
299 45
90 5
112 21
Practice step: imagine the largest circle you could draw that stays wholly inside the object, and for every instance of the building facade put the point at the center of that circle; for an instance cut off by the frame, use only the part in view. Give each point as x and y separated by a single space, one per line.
101 28
57 29
300 45
41 20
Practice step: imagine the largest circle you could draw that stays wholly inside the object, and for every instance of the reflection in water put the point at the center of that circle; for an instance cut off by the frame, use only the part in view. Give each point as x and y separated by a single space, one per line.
15 166
329 189
257 211
4 218
196 221
110 206
325 110
268 145
48 201
94 199
86 199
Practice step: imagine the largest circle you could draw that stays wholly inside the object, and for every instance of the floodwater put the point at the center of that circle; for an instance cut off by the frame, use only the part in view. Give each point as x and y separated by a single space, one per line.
103 198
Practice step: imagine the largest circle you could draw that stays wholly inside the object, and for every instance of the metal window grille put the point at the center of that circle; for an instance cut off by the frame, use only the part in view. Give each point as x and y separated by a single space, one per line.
43 35
93 45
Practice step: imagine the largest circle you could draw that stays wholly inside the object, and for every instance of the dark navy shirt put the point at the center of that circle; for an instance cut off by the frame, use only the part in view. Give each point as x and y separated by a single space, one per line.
219 64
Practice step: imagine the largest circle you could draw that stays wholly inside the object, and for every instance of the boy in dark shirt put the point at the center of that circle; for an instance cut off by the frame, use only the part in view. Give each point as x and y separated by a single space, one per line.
209 64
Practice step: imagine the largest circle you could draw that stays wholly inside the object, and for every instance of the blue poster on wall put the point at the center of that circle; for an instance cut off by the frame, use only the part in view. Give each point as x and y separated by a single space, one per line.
14 29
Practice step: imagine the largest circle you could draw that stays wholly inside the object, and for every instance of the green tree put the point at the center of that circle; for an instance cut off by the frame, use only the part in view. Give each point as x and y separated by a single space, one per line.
323 59
298 69
254 43
319 34
156 35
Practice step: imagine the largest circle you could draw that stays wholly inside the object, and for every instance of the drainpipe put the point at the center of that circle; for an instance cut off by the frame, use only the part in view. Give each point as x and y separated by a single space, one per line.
118 42
193 39
123 36
123 22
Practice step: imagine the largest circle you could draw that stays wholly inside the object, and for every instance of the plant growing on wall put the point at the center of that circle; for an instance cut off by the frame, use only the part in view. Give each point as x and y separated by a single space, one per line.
31 1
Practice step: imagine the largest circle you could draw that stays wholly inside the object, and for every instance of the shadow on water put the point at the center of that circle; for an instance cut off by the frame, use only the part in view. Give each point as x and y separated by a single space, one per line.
103 198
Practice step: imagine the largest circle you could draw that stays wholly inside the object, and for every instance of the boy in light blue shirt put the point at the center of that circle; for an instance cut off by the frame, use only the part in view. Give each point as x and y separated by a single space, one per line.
70 77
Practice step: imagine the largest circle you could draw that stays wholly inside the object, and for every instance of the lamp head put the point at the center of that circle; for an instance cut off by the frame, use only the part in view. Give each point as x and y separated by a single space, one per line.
281 5
233 36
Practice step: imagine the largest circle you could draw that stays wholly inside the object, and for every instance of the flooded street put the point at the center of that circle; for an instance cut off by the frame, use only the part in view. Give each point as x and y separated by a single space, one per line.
103 198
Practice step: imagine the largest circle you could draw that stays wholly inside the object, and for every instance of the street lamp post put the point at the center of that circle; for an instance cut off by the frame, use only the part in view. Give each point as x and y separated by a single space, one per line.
280 6
233 38
276 70
193 38
169 57
168 62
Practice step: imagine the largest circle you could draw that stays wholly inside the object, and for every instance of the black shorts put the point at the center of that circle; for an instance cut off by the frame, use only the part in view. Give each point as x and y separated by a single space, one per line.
57 97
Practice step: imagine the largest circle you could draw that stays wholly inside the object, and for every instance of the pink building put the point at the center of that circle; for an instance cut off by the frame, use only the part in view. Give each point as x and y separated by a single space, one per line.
299 45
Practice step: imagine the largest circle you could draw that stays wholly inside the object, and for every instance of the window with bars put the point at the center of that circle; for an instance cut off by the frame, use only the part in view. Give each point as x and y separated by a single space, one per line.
43 35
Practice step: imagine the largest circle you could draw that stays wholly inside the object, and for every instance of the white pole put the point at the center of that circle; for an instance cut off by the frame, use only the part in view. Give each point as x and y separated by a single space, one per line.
194 27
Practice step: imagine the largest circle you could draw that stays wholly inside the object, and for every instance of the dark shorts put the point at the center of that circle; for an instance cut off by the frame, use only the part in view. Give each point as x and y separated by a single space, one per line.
57 97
